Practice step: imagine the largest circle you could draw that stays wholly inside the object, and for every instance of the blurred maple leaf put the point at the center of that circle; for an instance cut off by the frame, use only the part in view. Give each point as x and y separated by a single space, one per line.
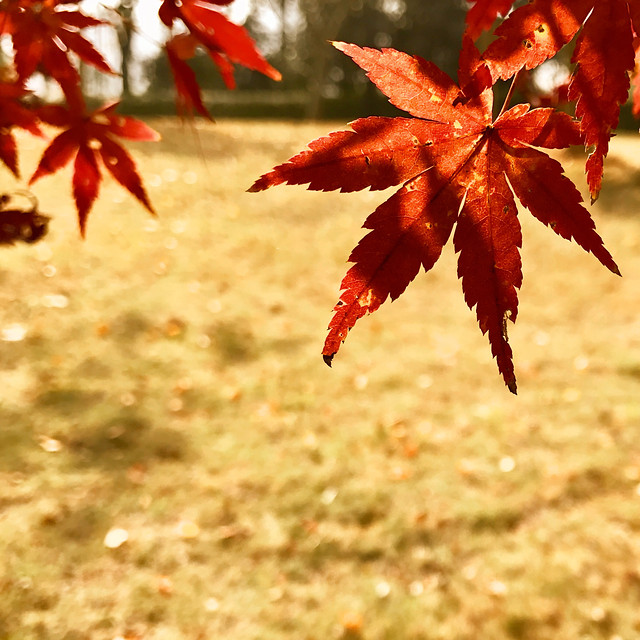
44 33
86 138
14 114
188 96
19 223
225 42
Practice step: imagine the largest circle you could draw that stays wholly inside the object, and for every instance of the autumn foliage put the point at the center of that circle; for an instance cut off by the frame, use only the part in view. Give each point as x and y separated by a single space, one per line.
46 36
461 163
460 168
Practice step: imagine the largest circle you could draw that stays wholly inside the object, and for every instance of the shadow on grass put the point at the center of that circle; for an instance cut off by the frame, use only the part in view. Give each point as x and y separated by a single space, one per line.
124 439
113 442
233 341
21 594
91 430
16 441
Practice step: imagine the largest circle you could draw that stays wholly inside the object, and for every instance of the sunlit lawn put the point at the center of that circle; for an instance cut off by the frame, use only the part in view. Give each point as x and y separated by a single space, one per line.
164 378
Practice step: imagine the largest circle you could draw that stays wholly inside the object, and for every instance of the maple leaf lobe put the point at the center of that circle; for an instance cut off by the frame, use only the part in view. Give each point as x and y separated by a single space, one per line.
483 14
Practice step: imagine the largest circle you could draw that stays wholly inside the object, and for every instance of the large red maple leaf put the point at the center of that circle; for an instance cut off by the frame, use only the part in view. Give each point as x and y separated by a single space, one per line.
604 56
43 33
457 167
86 139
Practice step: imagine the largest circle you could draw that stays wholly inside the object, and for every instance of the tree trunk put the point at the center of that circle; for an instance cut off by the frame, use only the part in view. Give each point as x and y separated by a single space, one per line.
125 36
324 20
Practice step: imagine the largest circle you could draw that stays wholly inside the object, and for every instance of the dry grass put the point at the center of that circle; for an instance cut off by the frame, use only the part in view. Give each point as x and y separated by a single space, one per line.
169 383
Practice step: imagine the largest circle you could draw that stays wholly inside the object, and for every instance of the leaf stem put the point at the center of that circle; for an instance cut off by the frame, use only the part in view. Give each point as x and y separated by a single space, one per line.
510 93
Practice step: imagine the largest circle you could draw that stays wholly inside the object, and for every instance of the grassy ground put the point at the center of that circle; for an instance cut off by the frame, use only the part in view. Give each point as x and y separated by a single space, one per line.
163 378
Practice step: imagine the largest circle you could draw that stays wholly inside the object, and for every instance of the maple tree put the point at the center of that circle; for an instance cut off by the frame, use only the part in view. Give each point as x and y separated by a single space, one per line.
460 165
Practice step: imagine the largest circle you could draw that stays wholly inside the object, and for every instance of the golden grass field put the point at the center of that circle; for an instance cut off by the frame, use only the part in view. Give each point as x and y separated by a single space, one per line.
176 461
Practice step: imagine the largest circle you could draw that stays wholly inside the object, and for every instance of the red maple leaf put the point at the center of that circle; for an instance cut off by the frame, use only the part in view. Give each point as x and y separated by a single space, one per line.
181 48
43 33
225 42
458 168
14 114
604 56
483 14
188 96
88 138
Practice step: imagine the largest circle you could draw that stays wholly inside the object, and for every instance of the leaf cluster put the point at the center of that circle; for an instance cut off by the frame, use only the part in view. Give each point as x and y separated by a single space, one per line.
48 37
460 167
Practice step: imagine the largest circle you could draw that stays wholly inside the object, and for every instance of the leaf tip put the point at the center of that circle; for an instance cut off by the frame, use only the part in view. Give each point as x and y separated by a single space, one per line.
341 46
328 359
512 386
262 183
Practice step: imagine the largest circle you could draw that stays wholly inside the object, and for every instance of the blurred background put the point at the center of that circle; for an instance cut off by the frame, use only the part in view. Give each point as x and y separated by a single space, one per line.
317 80
178 463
